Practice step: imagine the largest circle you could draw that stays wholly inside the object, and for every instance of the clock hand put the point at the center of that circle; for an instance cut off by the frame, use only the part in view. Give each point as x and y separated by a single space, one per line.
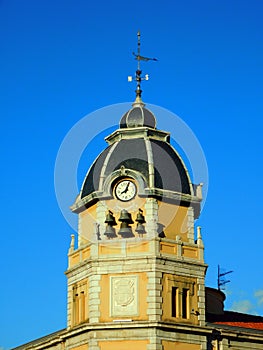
126 188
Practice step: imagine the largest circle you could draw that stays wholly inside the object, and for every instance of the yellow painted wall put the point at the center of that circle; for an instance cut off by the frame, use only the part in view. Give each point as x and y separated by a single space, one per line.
87 219
80 347
132 206
168 345
74 259
116 248
174 218
105 298
190 252
143 247
123 345
110 249
86 253
79 256
168 248
172 248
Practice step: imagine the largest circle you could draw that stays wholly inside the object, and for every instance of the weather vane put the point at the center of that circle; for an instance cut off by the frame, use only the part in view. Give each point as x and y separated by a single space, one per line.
138 78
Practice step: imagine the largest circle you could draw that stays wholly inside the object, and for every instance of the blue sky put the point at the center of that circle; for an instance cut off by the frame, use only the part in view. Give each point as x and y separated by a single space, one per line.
61 60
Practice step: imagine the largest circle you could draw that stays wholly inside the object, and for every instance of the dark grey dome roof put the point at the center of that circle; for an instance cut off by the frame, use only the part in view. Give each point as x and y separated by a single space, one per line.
138 116
149 157
140 151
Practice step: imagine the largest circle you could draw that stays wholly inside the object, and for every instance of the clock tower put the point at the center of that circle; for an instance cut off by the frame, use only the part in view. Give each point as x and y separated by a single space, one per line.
136 274
136 270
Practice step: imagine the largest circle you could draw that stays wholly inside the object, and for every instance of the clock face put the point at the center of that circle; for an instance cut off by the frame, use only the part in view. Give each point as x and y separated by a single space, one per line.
125 190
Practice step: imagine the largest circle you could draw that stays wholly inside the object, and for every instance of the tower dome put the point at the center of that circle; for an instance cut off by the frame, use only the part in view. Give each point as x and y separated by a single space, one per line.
138 150
137 116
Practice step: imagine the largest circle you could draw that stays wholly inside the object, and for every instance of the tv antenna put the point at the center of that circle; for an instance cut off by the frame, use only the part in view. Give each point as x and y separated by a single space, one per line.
221 281
138 78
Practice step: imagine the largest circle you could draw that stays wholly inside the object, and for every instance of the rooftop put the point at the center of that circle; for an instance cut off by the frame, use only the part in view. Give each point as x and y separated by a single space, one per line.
236 319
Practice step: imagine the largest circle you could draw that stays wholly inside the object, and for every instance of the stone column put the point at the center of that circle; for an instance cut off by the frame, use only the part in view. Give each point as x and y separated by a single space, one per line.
154 298
94 298
151 217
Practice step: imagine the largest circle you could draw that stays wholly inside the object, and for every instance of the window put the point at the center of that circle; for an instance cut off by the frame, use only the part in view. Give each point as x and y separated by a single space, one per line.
185 303
174 301
179 298
180 302
75 308
79 310
83 306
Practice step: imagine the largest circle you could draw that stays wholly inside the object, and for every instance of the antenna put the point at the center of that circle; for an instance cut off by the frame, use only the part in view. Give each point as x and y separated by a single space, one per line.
221 281
137 76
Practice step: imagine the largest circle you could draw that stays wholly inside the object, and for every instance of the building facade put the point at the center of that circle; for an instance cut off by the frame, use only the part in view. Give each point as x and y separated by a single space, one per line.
136 270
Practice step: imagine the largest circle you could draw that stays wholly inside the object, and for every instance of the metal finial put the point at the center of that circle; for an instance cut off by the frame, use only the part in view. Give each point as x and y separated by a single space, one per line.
138 49
138 78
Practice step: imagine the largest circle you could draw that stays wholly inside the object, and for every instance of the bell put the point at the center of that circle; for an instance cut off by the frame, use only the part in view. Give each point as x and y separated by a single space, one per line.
110 219
125 230
125 217
140 218
110 232
130 218
140 229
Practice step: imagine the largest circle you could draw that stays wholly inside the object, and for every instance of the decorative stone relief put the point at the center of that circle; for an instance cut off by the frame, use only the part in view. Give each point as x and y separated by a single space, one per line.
123 296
